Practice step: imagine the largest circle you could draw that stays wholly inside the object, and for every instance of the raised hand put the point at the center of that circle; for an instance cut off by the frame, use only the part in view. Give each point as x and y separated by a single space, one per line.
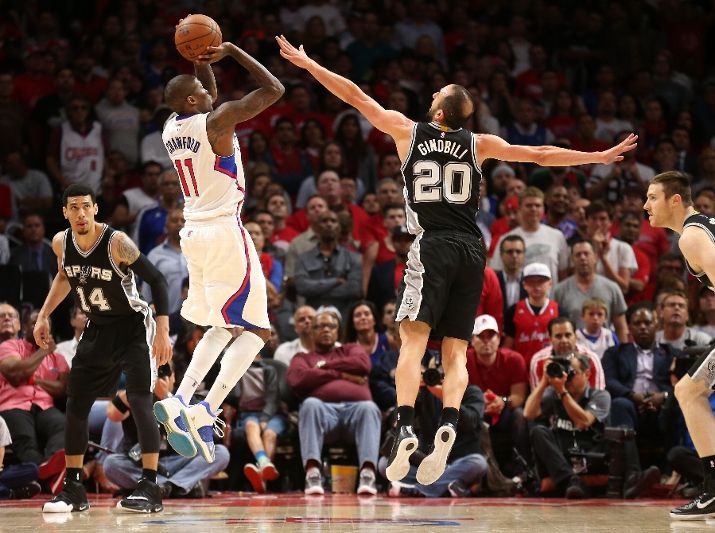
214 54
614 154
297 56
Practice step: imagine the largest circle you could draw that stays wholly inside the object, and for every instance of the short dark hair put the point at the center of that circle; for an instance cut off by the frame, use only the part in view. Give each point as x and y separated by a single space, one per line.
176 91
511 238
78 189
597 206
583 361
389 207
675 182
639 306
454 107
559 320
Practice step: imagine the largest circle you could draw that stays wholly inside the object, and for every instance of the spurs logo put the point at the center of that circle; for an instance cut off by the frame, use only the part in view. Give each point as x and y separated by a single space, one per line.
409 302
84 274
711 371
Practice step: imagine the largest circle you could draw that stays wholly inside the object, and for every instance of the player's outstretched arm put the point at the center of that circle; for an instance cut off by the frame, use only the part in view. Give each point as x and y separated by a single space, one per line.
231 113
126 254
493 147
58 291
393 123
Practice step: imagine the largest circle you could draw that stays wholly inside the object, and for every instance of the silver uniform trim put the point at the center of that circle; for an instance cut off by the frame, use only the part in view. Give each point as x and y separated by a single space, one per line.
94 246
413 136
412 295
141 306
712 238
706 371
64 248
475 160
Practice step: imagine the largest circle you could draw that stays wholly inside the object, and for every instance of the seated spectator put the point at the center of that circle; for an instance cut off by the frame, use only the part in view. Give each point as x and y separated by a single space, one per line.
151 222
177 476
277 205
466 465
258 398
616 260
68 349
562 336
501 374
17 481
361 328
526 322
491 301
9 322
31 189
630 233
314 207
638 375
31 378
385 278
272 268
585 283
34 254
379 248
136 199
576 415
673 319
303 324
705 311
557 204
594 335
328 274
512 255
544 244
333 382
169 260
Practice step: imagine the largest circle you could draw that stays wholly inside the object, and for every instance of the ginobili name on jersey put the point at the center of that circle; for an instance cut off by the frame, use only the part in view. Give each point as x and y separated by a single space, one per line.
440 145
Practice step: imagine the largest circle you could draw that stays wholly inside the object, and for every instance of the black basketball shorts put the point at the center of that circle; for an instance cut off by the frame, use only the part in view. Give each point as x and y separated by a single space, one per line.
443 283
104 351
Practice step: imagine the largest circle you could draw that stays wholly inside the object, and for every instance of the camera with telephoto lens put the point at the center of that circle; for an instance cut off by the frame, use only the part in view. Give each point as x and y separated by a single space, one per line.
433 376
559 366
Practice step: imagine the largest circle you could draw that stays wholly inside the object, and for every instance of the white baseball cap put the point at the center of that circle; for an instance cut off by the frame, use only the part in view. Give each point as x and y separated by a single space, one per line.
537 269
483 323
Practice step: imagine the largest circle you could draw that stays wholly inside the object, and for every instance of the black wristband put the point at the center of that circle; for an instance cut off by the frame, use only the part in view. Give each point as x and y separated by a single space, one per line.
120 405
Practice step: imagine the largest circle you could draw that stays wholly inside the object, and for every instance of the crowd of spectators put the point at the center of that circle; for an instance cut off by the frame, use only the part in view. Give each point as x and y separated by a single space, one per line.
573 268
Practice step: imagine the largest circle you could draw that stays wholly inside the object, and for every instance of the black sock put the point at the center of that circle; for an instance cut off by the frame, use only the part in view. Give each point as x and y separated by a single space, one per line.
405 415
74 474
709 472
450 415
149 474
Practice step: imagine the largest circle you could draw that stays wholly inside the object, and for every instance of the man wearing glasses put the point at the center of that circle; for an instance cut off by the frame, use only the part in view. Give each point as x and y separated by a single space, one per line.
511 250
337 402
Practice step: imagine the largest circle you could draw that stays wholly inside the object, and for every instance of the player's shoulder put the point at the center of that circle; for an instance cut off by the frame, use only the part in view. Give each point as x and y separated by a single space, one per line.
58 241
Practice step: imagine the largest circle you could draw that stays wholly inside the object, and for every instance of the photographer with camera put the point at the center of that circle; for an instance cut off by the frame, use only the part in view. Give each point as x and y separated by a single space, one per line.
564 345
177 476
576 414
466 465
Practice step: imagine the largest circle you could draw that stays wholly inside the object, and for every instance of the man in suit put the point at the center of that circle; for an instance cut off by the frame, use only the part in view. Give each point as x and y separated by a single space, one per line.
34 254
511 250
638 373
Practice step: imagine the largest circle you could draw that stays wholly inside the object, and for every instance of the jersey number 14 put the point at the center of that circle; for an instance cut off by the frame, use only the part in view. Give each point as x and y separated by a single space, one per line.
96 298
433 182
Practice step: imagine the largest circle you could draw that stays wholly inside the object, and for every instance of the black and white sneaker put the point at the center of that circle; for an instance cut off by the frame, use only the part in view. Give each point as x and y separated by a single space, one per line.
73 498
146 498
404 446
701 508
433 466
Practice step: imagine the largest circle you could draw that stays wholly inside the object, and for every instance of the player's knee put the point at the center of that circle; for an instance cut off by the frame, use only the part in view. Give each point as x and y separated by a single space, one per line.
263 334
78 408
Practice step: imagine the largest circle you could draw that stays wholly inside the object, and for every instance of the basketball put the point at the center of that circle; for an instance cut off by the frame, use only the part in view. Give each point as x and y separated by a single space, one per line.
195 34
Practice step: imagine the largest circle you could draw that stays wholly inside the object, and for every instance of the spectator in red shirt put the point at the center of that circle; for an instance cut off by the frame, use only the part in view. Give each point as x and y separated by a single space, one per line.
385 278
492 300
277 205
292 165
333 380
30 379
501 374
35 82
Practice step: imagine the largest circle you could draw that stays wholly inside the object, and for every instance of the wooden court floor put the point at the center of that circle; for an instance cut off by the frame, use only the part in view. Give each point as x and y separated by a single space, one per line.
336 513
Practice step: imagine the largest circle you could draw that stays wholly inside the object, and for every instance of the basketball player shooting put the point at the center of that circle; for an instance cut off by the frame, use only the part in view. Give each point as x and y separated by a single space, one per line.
226 284
439 295
669 204
99 265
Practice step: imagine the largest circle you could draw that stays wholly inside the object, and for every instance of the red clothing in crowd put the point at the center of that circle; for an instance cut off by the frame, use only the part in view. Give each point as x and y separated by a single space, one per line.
492 301
508 369
361 220
308 379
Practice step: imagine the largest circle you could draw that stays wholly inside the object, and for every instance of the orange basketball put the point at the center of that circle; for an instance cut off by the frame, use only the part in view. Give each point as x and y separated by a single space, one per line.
195 34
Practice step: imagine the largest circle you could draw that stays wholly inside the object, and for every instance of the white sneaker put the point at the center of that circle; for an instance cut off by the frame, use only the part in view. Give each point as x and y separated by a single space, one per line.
168 413
367 482
202 424
433 466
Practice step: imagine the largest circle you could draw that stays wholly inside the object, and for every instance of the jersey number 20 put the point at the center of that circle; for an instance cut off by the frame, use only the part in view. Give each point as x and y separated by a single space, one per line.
189 164
432 182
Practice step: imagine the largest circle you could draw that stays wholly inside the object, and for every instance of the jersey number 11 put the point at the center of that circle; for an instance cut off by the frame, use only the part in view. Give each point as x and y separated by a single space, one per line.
189 164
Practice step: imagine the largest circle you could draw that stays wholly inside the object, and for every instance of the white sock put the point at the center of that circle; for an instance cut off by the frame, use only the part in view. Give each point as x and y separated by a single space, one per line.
205 355
236 360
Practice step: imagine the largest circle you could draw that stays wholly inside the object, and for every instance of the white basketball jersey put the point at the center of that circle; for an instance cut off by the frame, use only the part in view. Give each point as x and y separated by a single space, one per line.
82 156
213 186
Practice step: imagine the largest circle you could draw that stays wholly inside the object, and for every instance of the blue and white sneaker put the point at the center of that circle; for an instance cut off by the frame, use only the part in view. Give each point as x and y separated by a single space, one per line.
168 413
202 425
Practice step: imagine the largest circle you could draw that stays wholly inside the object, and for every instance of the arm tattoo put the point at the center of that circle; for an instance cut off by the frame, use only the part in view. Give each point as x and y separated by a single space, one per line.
125 249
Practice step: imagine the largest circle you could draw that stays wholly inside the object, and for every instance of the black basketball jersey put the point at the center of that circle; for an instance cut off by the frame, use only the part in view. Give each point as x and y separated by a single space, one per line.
442 179
99 287
707 224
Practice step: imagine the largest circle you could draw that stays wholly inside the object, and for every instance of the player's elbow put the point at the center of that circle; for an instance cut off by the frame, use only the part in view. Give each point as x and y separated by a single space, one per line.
276 90
541 155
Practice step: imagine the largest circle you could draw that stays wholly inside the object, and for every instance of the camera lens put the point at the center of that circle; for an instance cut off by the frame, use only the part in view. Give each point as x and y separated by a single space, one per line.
554 370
